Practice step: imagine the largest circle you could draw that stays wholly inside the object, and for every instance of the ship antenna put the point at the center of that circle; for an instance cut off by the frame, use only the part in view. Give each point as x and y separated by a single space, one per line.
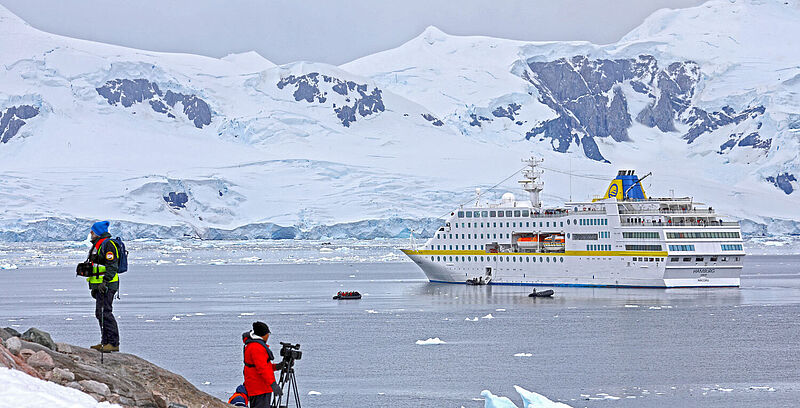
413 241
478 197
531 182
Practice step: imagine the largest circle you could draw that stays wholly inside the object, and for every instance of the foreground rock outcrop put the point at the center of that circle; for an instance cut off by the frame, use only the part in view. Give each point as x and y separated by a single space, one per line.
123 378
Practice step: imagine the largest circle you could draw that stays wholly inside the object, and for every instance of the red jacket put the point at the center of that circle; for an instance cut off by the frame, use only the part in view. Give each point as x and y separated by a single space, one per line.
258 366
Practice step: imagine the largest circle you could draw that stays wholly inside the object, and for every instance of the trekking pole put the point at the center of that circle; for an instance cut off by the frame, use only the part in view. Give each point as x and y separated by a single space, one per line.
102 325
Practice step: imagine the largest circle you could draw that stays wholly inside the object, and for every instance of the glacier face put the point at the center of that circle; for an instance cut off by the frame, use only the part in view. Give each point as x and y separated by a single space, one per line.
179 145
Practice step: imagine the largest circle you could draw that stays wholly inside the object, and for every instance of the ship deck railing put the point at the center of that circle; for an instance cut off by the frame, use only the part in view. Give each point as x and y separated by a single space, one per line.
681 224
668 212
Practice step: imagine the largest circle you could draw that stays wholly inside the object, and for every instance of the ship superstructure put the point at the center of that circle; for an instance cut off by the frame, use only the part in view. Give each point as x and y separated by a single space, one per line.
622 239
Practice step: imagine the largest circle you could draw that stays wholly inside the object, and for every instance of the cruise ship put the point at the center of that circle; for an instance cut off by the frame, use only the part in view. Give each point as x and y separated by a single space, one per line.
621 239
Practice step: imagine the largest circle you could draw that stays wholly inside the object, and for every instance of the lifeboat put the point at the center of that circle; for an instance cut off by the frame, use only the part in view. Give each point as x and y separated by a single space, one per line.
554 243
528 242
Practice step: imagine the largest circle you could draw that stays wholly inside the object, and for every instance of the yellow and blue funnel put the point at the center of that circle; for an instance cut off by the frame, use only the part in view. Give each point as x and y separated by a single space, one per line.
622 183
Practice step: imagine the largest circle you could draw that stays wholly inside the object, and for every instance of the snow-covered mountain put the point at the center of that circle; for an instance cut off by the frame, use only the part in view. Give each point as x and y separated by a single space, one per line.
176 144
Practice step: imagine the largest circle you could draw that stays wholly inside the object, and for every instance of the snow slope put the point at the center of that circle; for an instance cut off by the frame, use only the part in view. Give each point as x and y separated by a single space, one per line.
183 145
20 390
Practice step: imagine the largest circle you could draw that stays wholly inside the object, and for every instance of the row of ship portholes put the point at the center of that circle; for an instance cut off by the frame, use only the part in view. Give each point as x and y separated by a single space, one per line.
542 259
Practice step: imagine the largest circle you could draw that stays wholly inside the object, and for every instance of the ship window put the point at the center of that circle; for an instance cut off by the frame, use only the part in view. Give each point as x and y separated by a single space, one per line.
525 213
437 258
484 214
513 259
451 259
713 259
508 213
492 213
516 213
481 236
548 259
540 224
469 214
534 259
461 214
469 258
507 259
567 221
548 223
723 259
495 236
540 259
687 259
515 225
605 221
477 214
501 258
481 259
527 259
562 259
500 214
699 259
462 247
527 225
673 259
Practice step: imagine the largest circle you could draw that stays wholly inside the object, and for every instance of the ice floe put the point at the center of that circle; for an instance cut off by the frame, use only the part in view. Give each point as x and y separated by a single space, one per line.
530 399
430 341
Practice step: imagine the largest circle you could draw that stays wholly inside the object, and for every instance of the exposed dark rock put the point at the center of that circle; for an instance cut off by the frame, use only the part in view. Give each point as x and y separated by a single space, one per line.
587 96
128 92
309 88
39 337
13 118
506 112
433 119
783 182
701 122
176 200
754 141
12 332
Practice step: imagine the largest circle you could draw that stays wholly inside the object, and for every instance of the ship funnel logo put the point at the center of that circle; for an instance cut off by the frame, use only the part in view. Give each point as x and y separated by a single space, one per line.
613 191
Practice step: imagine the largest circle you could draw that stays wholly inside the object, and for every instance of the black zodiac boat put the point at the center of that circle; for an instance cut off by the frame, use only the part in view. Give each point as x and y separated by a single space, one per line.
544 293
347 295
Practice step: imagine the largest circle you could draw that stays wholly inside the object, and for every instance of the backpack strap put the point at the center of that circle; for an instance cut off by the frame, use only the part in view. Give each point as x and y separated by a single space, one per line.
261 342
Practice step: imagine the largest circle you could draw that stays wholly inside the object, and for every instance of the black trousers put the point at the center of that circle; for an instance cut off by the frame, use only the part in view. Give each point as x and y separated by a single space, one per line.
260 401
103 311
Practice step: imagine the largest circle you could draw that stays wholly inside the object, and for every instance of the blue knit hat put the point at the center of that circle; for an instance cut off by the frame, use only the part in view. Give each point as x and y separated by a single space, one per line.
100 227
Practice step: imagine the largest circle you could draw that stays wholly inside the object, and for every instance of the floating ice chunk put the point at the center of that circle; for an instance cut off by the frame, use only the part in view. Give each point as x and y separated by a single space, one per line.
247 314
725 389
500 310
312 392
531 399
163 262
372 311
488 316
655 308
762 388
59 290
69 318
430 341
474 319
176 318
149 321
8 266
523 355
206 382
494 401
631 305
352 276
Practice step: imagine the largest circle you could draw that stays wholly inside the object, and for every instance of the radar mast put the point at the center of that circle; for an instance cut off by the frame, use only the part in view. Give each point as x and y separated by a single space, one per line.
532 182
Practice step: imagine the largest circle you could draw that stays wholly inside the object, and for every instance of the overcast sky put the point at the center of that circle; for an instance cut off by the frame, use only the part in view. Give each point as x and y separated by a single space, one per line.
324 30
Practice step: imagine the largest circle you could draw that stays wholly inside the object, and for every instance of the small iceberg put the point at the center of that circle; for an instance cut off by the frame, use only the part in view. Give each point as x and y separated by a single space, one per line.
488 316
431 341
312 392
529 400
474 319
523 355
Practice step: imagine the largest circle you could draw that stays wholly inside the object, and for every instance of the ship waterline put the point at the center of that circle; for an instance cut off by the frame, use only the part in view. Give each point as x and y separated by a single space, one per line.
623 239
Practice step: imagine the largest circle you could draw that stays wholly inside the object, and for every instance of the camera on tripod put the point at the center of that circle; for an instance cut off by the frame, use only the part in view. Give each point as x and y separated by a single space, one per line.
291 352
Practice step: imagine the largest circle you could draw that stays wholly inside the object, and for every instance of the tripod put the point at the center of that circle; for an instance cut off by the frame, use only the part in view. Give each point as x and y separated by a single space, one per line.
287 378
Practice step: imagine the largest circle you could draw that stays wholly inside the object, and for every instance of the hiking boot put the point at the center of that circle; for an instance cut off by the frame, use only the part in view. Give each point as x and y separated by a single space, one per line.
107 348
97 347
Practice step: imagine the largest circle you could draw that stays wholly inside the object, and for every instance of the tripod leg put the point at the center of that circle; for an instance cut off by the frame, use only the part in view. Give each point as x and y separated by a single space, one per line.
296 393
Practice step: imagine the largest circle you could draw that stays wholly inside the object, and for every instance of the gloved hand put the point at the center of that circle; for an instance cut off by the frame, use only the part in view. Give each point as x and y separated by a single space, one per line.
102 288
276 389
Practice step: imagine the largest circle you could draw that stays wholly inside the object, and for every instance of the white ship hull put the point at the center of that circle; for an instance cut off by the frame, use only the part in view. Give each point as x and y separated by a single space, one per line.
575 270
623 239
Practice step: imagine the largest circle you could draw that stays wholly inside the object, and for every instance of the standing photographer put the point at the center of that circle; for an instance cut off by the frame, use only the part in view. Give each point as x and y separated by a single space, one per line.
259 376
101 272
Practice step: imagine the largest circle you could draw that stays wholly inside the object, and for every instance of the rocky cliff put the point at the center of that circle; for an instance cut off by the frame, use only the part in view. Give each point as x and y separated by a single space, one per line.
121 378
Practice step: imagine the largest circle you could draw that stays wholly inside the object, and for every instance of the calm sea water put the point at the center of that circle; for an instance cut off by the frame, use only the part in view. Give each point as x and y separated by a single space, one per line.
648 347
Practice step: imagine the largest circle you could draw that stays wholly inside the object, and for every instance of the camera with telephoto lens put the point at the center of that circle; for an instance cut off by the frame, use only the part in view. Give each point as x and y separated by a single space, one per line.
291 352
84 269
